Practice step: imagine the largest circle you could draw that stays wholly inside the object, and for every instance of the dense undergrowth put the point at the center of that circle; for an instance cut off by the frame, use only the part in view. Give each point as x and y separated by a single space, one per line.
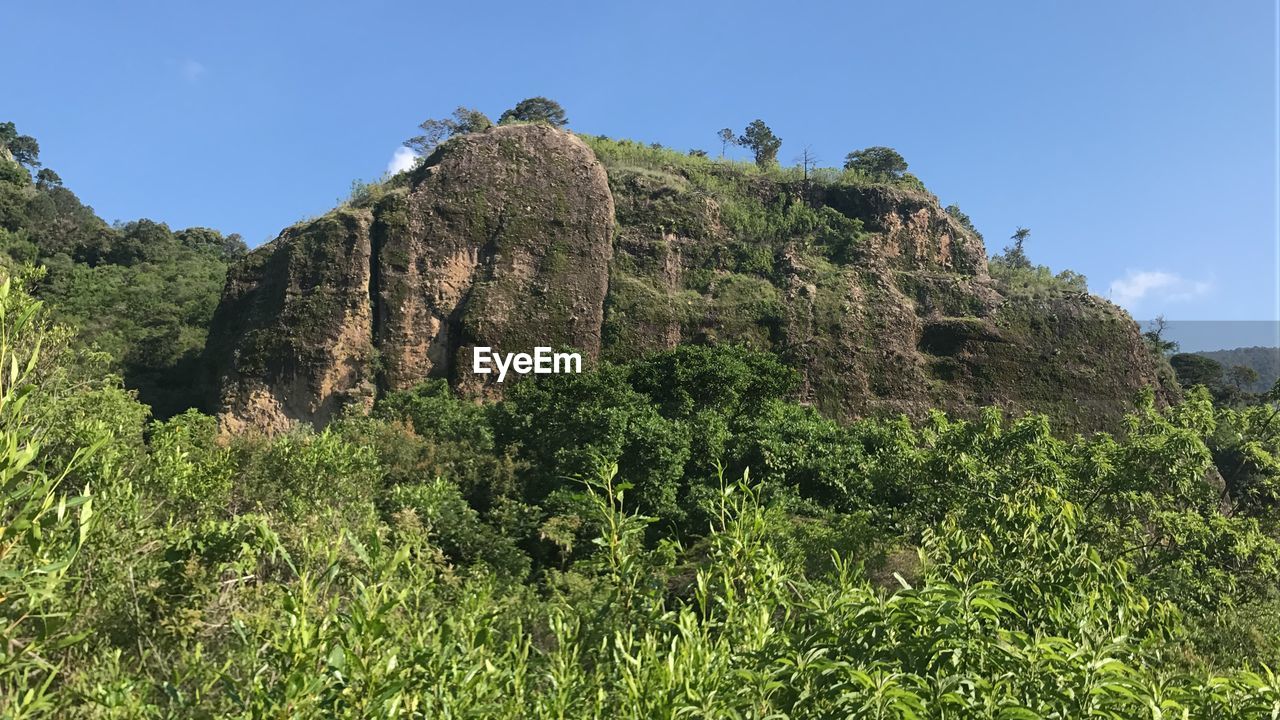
672 537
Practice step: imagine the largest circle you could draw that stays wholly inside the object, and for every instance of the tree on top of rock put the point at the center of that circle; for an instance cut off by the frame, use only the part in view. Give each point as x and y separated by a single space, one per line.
761 140
535 110
727 138
879 162
464 120
1015 255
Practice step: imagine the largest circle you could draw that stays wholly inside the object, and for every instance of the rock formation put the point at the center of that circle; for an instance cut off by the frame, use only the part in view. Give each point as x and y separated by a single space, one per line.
502 239
507 238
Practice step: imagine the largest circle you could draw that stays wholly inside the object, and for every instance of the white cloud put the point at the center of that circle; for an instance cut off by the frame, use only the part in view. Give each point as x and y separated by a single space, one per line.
402 160
1139 286
192 70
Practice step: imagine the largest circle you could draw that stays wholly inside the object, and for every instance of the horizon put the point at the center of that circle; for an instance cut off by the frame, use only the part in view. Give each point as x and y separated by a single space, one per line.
1137 143
1195 336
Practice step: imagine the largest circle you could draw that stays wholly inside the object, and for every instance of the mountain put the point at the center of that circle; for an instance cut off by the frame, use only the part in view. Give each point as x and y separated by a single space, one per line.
1263 360
525 235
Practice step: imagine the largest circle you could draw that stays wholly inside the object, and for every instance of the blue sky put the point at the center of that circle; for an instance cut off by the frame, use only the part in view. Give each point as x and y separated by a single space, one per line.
1135 139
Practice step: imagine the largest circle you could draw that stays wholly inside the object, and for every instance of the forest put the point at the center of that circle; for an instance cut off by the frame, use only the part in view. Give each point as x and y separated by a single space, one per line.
673 534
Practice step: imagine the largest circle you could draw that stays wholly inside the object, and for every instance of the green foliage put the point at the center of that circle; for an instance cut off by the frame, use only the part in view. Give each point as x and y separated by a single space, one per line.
298 474
189 470
535 110
1265 361
41 530
1193 369
47 179
138 291
881 163
437 511
575 550
762 143
22 148
569 424
1015 255
727 137
963 218
430 433
1035 281
1155 339
464 120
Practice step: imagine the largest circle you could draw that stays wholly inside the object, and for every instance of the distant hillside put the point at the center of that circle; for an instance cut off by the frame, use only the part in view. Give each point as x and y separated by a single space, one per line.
1263 360
140 292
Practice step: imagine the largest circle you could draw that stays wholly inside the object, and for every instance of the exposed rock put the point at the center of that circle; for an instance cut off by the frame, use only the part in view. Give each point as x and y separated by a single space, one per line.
507 238
910 229
295 325
908 322
502 238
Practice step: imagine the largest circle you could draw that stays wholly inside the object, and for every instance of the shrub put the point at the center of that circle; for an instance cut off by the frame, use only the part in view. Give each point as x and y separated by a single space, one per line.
190 473
303 473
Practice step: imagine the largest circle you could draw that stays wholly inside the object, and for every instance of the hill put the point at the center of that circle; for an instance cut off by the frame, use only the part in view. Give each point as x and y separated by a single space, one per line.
527 235
1265 361
690 528
139 292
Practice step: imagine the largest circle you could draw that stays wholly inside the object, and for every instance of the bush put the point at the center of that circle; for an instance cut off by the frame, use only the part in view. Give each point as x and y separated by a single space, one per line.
575 549
304 473
1037 281
189 472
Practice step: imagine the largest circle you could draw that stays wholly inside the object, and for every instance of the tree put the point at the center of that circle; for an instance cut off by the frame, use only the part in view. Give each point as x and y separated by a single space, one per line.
470 120
727 138
963 218
879 162
535 110
807 160
24 148
1242 377
1015 255
1193 369
762 142
47 178
1155 336
464 120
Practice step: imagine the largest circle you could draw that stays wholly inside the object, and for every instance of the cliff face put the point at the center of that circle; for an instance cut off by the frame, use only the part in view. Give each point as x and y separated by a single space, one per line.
518 237
880 299
294 328
501 239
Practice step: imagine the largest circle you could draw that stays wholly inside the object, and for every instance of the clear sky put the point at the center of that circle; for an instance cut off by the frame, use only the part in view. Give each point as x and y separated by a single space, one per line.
1135 138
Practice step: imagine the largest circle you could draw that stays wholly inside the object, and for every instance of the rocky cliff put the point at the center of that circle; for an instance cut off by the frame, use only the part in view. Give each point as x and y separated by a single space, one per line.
500 239
525 235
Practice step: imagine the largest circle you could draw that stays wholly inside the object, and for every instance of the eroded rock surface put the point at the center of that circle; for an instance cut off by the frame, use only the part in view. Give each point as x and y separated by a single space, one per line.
517 237
295 325
502 239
